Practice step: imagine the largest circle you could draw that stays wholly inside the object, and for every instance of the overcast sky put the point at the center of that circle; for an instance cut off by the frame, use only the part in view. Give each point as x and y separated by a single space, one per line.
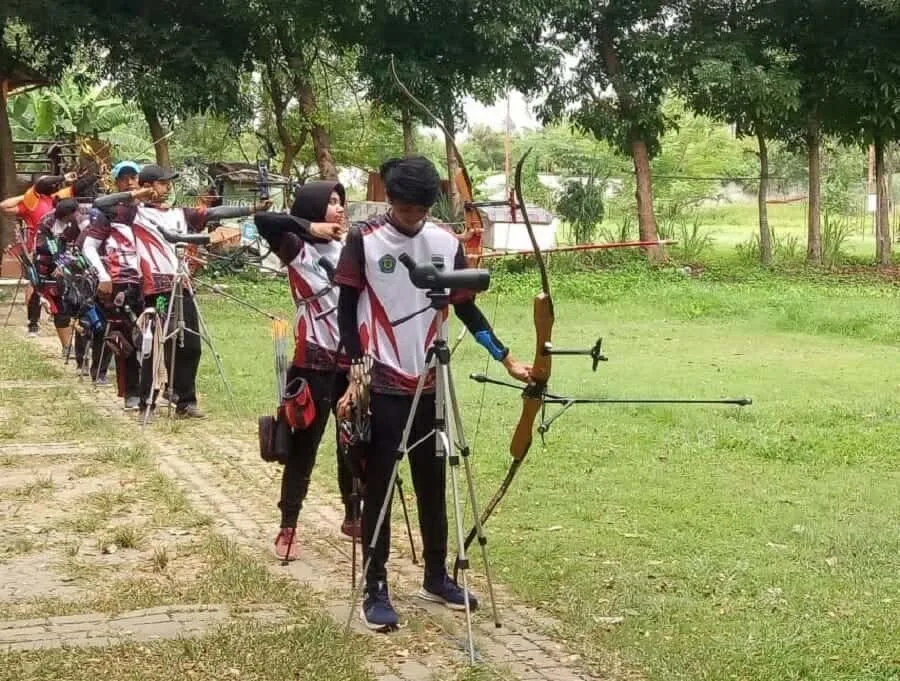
494 116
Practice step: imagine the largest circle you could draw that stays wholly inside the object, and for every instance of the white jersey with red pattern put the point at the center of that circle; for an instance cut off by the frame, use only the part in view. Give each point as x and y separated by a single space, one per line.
157 256
122 260
316 332
399 352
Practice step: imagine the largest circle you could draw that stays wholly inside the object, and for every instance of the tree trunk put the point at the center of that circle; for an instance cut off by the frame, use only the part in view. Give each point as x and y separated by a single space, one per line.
288 161
765 236
290 149
7 168
870 187
640 154
322 147
158 134
882 218
814 227
452 165
409 136
644 196
320 138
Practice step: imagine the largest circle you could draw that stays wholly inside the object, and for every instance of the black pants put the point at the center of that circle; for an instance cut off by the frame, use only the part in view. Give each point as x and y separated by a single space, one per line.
128 369
182 385
389 415
128 376
34 308
327 388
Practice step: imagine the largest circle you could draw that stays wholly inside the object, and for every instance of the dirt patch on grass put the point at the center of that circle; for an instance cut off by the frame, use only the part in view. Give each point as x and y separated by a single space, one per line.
75 524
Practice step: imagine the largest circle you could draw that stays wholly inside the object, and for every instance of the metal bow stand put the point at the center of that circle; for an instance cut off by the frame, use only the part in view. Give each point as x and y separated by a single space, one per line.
447 424
174 326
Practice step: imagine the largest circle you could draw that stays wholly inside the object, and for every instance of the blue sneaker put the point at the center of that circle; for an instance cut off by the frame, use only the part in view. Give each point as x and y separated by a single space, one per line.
377 612
444 590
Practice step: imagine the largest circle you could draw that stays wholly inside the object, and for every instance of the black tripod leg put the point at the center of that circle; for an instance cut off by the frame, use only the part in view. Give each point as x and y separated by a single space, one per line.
412 544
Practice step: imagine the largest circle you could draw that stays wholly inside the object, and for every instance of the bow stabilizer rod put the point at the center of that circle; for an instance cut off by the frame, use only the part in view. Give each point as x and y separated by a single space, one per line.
595 353
551 398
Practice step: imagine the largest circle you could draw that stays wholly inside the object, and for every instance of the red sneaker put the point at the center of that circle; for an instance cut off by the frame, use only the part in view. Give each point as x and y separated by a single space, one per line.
286 546
352 529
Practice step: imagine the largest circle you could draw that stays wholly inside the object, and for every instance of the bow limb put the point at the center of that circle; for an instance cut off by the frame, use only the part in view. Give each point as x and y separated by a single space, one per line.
473 221
533 394
428 112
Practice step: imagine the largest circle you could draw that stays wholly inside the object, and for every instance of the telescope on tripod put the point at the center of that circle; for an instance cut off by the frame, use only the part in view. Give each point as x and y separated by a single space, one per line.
449 438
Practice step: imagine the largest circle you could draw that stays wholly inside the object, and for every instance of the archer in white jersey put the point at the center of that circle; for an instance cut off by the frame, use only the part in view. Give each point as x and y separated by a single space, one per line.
376 289
149 221
309 241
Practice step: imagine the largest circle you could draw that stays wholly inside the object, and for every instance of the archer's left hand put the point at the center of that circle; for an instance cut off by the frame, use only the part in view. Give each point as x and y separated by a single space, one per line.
516 369
263 206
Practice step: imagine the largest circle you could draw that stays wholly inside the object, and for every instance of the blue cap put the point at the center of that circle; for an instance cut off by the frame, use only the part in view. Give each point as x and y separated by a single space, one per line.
125 165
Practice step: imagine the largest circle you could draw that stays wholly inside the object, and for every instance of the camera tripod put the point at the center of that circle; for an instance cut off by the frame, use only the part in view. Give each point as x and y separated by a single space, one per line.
174 327
447 424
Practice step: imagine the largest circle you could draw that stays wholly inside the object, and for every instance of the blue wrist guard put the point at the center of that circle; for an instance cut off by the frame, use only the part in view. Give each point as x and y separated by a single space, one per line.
487 341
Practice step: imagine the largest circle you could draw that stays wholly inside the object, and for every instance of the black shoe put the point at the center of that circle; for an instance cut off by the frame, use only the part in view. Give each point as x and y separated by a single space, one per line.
142 409
447 592
377 612
189 411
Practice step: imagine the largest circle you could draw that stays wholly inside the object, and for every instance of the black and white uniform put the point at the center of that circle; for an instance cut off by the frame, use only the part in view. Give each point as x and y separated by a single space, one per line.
375 289
317 358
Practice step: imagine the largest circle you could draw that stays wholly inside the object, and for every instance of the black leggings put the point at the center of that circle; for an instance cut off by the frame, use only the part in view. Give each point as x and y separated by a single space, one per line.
34 308
327 388
389 415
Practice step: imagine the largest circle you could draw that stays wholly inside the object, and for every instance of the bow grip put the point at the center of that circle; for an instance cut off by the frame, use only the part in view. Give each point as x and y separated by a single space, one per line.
533 395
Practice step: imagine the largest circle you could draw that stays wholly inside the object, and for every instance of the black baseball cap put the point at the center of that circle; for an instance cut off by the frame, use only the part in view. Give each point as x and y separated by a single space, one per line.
153 173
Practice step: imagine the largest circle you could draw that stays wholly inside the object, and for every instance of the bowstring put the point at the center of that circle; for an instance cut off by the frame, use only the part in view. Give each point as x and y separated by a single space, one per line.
487 362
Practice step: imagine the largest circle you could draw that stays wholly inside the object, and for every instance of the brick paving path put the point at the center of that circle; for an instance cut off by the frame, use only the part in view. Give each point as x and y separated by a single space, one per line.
149 624
219 468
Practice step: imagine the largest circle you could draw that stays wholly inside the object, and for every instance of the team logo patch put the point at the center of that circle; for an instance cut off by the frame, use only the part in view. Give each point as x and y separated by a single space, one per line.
387 264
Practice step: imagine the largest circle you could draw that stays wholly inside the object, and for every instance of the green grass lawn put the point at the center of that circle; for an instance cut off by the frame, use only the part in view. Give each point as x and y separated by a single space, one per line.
19 361
729 226
754 543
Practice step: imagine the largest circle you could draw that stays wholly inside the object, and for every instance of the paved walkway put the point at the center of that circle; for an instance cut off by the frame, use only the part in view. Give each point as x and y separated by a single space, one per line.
149 624
219 468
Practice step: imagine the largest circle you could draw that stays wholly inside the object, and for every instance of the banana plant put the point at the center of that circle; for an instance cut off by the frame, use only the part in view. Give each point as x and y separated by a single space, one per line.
71 108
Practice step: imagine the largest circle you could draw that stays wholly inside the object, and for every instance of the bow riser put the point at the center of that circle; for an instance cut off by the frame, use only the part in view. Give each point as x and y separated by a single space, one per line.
533 394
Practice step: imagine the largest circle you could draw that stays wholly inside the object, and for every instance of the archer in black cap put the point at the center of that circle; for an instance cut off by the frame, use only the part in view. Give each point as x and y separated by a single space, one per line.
154 173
